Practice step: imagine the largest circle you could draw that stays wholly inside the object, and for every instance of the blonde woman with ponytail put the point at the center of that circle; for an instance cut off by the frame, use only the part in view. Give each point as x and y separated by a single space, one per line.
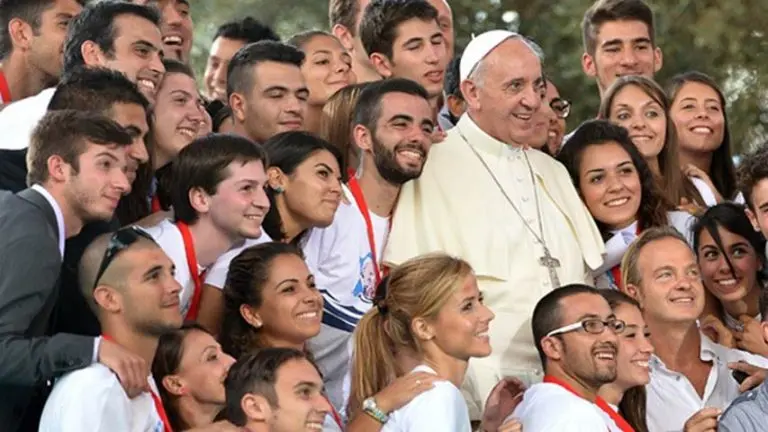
430 316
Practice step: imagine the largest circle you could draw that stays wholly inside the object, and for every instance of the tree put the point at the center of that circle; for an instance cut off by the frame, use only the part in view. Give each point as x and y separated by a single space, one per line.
723 39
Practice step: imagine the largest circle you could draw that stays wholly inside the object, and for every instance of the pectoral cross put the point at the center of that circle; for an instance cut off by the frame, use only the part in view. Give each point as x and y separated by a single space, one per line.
551 263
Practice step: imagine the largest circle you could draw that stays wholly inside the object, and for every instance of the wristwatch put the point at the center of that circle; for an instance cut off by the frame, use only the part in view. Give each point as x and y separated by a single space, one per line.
373 410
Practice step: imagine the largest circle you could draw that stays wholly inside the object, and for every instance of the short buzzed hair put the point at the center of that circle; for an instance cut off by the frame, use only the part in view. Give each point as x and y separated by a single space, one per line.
248 30
344 12
753 168
29 11
91 262
257 373
630 273
240 71
382 18
603 11
547 314
65 133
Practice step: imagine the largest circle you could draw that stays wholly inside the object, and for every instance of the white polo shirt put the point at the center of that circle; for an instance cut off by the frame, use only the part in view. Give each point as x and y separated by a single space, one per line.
92 399
671 398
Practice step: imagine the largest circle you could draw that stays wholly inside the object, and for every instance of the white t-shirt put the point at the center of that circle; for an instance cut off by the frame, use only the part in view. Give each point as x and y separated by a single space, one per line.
339 256
705 191
440 409
92 399
19 119
672 400
550 407
168 236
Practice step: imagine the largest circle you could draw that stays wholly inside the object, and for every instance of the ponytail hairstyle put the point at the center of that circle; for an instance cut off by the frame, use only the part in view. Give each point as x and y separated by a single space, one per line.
632 406
246 279
170 350
418 288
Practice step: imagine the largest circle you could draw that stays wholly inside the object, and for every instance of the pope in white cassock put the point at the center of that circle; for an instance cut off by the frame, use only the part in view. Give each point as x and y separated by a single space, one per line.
510 211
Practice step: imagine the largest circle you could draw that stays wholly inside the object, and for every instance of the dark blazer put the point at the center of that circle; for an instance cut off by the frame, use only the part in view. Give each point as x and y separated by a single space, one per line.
30 262
13 170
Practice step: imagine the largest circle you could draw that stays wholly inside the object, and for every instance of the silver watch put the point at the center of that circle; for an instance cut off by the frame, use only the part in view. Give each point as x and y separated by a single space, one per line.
373 410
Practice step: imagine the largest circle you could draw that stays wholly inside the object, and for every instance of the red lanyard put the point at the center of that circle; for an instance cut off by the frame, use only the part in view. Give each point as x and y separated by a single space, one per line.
155 204
335 414
357 194
155 398
5 91
600 402
197 276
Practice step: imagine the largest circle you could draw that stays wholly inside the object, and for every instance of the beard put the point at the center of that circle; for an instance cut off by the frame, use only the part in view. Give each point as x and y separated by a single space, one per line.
385 160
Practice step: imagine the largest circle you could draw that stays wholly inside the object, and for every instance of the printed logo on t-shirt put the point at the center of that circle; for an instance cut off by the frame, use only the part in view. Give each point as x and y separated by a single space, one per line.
365 288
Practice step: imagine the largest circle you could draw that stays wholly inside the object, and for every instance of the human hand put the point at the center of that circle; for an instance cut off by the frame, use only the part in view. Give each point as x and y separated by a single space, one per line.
131 369
751 338
501 403
704 420
513 425
756 375
403 389
717 331
693 171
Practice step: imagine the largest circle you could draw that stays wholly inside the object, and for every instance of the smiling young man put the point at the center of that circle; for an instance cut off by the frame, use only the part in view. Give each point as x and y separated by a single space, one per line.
266 90
391 126
77 166
404 40
276 390
31 41
176 27
575 333
128 282
116 35
688 370
217 193
619 39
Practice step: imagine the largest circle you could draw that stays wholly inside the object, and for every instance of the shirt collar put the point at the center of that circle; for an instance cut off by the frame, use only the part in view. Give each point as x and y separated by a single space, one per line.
59 215
468 130
708 351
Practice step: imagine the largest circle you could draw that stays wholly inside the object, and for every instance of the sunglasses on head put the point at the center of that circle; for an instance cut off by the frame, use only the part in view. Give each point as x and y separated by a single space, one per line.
120 240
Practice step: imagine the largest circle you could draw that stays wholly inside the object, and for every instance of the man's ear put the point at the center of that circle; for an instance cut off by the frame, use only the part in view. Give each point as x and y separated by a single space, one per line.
237 104
199 200
588 65
344 36
256 408
658 59
20 33
362 138
382 65
552 347
92 54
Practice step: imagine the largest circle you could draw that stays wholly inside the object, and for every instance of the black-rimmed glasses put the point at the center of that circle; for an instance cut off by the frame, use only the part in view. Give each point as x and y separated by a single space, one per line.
561 107
120 240
591 325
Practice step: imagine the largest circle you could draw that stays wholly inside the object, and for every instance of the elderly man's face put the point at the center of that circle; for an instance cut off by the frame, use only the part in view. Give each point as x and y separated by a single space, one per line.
506 92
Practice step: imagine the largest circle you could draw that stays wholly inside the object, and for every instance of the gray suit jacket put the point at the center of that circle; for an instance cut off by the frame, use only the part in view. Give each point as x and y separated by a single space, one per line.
30 263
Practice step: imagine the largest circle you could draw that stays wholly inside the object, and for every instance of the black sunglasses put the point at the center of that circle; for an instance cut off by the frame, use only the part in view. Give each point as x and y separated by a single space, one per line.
120 240
561 107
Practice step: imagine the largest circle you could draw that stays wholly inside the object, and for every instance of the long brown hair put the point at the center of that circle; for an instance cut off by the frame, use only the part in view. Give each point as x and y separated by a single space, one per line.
722 171
419 288
632 406
671 178
336 123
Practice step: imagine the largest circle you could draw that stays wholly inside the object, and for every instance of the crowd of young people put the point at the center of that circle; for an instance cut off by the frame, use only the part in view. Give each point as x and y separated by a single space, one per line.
363 229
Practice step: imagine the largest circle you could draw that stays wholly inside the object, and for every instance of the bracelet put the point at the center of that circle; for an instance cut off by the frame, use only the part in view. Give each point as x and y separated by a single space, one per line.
375 416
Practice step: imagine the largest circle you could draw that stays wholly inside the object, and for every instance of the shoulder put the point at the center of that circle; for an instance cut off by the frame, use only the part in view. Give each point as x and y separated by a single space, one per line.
96 381
18 119
429 410
551 404
217 274
744 409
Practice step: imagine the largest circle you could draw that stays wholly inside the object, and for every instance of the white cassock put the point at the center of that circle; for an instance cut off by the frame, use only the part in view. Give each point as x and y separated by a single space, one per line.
456 207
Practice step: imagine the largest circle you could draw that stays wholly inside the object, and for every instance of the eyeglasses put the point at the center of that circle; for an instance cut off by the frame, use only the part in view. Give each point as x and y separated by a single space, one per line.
561 107
591 325
120 240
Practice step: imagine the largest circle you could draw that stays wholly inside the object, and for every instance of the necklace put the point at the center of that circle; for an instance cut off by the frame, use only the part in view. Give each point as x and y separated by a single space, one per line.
548 261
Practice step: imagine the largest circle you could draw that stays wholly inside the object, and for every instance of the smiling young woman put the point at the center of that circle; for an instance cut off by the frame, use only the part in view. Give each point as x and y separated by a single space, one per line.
619 190
732 261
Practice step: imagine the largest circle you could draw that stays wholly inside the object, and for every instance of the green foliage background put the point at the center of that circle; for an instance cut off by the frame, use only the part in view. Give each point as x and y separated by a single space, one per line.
724 38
